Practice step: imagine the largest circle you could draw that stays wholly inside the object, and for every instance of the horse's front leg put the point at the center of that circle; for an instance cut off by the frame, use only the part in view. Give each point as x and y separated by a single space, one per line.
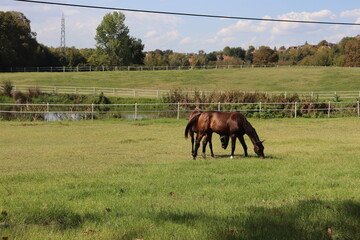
242 141
233 143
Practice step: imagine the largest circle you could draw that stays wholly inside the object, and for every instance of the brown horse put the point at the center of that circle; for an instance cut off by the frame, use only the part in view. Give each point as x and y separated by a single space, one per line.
232 124
207 138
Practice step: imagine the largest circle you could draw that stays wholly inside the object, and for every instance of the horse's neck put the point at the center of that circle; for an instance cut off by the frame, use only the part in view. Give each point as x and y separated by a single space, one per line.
251 132
253 139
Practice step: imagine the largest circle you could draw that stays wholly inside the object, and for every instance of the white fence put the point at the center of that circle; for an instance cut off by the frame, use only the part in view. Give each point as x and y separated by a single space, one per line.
127 68
151 93
52 112
139 68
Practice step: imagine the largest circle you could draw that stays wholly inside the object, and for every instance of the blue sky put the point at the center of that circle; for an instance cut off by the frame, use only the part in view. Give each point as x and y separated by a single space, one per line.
190 34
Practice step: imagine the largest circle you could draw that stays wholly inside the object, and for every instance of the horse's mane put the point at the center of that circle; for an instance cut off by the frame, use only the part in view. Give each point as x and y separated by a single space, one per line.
191 123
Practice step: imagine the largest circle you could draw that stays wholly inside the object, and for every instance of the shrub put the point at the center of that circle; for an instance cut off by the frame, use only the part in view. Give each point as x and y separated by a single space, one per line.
7 88
19 97
34 92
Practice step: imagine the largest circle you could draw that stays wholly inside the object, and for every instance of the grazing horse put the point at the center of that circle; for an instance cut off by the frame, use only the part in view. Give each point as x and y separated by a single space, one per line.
232 124
207 138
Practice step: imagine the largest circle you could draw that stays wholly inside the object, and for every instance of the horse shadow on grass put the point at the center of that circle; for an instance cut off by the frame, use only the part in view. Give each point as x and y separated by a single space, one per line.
306 219
239 157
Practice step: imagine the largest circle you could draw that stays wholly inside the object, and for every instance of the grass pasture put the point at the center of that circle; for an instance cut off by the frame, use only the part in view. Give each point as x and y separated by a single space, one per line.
247 79
123 179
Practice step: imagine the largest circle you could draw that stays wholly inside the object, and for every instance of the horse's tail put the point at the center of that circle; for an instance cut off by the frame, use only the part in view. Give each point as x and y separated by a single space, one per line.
191 123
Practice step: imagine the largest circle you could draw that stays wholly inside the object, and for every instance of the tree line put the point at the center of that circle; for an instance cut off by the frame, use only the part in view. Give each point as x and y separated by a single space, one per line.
115 47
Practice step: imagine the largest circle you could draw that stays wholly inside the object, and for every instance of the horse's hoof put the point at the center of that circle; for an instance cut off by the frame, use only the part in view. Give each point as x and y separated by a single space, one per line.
231 157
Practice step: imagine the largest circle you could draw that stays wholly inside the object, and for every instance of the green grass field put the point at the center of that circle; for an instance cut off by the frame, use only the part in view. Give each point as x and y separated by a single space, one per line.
122 179
259 79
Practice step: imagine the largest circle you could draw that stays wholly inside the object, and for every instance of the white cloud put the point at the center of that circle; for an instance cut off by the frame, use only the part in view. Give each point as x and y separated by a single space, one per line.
150 34
240 26
186 40
355 13
154 18
163 38
281 28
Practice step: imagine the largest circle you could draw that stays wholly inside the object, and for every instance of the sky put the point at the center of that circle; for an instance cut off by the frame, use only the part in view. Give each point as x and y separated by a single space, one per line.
190 34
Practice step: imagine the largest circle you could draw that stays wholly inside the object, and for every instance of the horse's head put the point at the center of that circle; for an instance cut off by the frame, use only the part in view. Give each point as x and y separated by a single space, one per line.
224 141
259 149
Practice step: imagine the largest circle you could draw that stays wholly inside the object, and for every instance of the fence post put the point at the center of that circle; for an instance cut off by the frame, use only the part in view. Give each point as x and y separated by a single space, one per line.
219 107
295 109
358 108
47 109
135 114
178 111
260 107
92 111
329 110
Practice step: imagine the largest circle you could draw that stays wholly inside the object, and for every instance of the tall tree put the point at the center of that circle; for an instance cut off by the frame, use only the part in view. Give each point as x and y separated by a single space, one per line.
352 53
18 46
114 44
264 56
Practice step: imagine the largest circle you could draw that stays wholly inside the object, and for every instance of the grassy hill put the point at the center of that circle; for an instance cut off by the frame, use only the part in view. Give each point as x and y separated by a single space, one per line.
250 79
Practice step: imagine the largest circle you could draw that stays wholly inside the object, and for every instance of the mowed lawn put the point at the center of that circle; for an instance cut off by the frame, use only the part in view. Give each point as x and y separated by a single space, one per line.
122 179
247 79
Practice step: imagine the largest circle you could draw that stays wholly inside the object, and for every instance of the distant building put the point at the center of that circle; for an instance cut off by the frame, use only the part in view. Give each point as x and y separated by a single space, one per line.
293 48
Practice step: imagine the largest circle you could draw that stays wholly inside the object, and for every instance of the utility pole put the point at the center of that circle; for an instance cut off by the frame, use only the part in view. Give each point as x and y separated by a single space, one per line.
62 40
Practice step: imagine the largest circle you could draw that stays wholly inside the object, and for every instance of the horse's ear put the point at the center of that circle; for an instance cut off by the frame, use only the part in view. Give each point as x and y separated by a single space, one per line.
262 141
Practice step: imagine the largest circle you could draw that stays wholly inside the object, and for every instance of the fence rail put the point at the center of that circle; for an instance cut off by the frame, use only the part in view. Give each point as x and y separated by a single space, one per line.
52 112
127 68
89 68
151 93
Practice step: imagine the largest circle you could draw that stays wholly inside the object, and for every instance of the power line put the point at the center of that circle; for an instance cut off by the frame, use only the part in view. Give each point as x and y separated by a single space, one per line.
190 14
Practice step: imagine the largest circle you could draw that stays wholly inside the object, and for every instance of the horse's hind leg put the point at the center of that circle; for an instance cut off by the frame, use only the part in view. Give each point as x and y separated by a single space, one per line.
210 144
199 136
205 141
192 142
242 141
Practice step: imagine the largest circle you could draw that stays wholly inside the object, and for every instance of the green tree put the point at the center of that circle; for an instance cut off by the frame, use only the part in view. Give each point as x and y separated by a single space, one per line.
18 45
249 54
156 58
323 57
265 56
178 59
237 52
352 53
114 44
